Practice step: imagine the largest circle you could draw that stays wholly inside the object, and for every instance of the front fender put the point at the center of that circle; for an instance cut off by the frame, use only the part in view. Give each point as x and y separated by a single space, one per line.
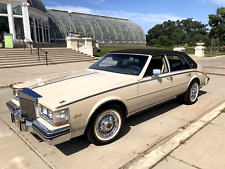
101 103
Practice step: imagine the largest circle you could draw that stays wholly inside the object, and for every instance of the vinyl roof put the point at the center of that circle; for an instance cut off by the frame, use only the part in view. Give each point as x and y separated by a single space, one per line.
146 51
153 52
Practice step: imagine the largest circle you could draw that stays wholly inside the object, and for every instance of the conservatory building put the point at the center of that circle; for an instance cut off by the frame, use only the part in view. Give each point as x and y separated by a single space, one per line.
30 20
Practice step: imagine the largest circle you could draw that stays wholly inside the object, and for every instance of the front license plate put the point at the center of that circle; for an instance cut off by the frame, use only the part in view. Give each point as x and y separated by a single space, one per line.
17 122
20 124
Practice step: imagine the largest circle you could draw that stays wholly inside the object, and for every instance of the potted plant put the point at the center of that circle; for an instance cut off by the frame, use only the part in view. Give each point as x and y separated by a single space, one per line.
200 43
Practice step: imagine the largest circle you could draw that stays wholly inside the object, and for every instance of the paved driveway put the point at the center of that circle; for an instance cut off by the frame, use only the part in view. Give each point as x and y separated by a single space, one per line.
140 133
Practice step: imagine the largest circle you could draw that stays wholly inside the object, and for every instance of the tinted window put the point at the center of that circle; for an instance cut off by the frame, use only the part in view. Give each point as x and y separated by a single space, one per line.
121 63
177 63
183 60
157 62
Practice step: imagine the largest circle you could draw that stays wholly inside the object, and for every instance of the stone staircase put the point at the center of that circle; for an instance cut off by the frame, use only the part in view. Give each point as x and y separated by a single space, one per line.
19 57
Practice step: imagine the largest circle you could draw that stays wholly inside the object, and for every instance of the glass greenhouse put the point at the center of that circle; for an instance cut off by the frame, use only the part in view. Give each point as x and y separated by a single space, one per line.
30 20
102 28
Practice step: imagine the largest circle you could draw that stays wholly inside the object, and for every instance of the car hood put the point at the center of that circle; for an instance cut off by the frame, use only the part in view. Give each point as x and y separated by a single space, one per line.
72 86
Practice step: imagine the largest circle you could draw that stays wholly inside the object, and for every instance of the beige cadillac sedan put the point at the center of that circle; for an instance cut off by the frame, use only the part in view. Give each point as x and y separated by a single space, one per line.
96 101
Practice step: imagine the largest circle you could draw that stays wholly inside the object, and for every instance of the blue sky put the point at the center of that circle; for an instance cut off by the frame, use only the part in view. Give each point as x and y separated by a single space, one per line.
146 13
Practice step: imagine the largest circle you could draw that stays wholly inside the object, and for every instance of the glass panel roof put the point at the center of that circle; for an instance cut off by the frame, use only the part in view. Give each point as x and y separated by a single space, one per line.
38 4
102 28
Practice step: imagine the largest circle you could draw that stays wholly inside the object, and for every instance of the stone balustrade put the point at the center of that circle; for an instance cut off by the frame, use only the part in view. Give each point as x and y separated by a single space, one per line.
85 45
199 49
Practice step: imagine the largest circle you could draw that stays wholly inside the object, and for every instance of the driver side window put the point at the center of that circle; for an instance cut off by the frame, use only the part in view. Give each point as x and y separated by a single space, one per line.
157 62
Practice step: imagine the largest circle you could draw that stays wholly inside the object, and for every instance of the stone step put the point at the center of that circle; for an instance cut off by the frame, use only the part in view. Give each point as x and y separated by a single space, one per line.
21 65
71 60
69 56
40 63
21 62
21 57
42 57
18 56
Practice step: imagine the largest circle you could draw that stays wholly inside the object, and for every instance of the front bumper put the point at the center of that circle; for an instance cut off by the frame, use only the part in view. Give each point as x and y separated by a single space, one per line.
50 134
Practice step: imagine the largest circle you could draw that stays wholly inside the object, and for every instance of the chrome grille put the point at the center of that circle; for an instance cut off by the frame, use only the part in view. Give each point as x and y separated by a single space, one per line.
27 108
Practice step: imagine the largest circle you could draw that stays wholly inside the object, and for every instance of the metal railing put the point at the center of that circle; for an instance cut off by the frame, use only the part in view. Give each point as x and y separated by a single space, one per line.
40 51
45 53
25 45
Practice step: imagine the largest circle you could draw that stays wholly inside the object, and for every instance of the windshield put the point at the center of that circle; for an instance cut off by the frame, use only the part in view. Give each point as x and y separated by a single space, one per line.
121 63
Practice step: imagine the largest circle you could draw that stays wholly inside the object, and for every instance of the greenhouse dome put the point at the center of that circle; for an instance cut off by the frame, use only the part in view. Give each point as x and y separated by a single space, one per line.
105 29
38 4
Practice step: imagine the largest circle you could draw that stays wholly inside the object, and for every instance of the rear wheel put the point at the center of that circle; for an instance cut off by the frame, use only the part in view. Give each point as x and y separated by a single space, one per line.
105 125
191 95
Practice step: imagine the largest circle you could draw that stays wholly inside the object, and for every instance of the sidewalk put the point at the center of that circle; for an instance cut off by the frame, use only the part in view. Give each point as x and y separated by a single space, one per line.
21 74
205 150
198 146
201 145
15 152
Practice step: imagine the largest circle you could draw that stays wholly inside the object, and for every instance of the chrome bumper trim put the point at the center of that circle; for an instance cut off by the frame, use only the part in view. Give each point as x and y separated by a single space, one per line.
49 136
207 80
12 106
52 137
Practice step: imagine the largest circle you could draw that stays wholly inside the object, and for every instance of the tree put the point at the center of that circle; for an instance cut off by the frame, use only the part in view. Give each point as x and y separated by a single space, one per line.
177 33
217 23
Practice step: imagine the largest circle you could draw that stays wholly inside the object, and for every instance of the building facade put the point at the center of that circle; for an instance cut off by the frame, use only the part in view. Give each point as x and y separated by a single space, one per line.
30 20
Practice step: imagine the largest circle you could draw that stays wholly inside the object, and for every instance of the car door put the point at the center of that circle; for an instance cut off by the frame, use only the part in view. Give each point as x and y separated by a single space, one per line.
181 73
155 88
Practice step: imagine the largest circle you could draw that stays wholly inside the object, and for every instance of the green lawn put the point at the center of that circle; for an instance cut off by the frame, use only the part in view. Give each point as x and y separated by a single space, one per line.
213 54
105 50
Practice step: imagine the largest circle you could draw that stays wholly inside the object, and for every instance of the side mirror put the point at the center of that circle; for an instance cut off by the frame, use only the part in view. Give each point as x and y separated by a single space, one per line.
156 71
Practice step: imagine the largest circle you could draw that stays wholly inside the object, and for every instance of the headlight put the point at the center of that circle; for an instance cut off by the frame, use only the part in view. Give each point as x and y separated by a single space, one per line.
56 118
45 113
61 117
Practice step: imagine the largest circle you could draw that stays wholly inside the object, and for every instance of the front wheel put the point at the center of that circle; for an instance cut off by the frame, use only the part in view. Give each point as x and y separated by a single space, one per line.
106 125
191 95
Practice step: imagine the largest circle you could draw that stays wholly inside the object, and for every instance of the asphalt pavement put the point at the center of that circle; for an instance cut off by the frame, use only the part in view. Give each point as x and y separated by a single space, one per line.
199 143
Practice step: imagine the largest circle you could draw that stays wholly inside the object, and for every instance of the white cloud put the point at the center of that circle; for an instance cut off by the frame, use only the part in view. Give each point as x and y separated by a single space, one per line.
202 1
134 16
146 21
72 8
100 1
218 2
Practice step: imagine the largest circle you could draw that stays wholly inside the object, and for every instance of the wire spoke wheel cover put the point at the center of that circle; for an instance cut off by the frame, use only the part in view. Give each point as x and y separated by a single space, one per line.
191 95
107 125
194 92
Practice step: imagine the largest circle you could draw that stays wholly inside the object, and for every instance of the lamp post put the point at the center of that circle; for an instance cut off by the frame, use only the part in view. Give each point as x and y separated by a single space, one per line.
71 34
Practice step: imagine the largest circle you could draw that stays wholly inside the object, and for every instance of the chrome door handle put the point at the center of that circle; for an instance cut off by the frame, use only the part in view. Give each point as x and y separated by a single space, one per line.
188 74
170 78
